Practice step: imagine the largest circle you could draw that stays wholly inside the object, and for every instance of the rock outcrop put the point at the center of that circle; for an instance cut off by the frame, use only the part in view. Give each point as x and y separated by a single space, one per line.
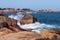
27 19
6 22
50 34
1 13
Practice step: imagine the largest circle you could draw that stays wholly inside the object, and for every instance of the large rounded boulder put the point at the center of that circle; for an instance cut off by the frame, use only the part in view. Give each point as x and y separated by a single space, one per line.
27 19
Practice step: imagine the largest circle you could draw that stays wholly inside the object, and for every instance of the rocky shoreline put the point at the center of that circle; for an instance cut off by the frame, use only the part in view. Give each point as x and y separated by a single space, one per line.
9 30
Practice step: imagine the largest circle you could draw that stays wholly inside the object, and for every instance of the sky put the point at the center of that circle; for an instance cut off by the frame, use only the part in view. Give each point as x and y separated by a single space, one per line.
32 4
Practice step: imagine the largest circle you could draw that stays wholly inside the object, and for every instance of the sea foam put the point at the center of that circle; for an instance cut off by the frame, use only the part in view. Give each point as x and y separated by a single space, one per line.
18 16
36 27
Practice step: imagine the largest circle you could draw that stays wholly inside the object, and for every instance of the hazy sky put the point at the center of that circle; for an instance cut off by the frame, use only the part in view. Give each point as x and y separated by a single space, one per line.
33 4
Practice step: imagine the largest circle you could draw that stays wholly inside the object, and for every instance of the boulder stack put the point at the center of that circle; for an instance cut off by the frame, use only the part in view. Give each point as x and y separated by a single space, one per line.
6 22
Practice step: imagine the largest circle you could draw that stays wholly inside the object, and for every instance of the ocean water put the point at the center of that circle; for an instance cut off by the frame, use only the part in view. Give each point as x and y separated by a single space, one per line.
45 20
48 18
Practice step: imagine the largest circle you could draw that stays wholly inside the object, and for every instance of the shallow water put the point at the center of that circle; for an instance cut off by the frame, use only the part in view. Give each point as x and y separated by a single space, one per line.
45 20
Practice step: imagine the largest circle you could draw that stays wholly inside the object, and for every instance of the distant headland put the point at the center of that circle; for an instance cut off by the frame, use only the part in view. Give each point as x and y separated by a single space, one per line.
12 10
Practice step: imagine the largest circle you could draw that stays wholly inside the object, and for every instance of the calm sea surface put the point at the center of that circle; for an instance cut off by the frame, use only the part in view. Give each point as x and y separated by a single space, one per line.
48 18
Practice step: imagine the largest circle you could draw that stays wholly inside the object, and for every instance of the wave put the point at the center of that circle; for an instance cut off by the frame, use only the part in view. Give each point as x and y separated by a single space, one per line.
18 16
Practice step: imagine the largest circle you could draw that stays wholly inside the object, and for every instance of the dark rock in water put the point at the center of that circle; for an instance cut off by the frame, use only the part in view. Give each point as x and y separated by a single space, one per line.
8 23
34 19
27 19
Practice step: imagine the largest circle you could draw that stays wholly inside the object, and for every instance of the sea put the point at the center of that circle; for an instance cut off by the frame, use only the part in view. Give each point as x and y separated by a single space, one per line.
45 20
